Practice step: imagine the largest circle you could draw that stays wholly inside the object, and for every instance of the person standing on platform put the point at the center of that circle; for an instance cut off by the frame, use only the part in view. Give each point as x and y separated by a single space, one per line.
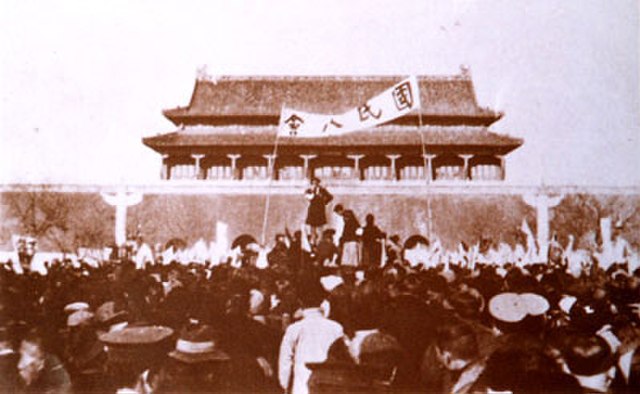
371 243
349 245
318 198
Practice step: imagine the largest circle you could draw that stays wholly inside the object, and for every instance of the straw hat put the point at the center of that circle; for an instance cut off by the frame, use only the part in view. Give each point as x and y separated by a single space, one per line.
137 346
198 344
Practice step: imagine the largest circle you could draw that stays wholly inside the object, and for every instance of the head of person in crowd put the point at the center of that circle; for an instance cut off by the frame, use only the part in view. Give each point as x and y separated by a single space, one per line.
467 302
366 307
198 361
280 242
370 220
238 304
313 295
38 369
32 357
339 209
521 365
589 315
456 345
590 360
134 351
258 305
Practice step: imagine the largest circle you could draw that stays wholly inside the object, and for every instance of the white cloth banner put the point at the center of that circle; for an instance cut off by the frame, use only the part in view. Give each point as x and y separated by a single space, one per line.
393 103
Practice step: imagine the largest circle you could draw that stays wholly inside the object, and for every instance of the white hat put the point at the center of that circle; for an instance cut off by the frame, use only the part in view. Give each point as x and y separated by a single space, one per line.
513 307
75 307
330 282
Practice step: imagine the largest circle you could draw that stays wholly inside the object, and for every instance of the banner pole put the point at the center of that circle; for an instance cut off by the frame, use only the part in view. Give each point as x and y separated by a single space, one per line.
426 168
265 219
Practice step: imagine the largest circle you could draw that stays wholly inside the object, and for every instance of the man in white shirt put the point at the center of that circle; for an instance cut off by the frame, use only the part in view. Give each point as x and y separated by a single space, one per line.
306 341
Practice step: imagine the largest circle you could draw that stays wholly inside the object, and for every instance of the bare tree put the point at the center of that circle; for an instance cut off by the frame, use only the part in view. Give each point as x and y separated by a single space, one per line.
61 221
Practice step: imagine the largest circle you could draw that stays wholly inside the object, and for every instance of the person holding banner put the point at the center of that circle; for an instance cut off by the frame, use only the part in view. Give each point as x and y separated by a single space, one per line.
318 198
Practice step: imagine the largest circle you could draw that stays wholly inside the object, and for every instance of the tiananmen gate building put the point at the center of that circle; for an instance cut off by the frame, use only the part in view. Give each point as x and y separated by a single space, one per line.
228 133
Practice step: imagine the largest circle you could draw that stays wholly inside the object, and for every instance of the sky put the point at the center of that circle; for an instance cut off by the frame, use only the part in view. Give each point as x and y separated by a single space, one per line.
82 82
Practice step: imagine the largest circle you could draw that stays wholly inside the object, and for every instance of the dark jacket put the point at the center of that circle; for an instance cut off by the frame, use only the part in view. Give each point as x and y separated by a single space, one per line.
8 372
316 214
351 225
371 246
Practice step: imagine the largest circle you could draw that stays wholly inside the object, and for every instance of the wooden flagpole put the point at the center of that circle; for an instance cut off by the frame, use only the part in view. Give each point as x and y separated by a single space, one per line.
265 219
426 168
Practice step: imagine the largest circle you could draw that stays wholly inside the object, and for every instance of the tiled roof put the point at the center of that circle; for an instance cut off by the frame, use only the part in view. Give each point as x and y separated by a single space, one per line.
237 97
385 135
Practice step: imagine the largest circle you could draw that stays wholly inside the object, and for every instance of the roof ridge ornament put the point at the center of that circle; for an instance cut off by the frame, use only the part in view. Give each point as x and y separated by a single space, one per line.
465 71
202 74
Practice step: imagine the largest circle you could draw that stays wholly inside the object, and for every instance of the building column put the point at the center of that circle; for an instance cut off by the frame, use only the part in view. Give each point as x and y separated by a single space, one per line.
356 165
307 169
503 168
392 165
234 165
465 169
199 170
542 202
428 162
165 168
271 159
121 200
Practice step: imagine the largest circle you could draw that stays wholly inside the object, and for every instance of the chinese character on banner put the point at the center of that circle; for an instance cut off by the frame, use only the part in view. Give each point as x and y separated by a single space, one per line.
403 96
365 112
294 122
333 123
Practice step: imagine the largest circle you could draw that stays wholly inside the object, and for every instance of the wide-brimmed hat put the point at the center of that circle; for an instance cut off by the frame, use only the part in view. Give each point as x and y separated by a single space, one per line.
144 345
143 335
198 344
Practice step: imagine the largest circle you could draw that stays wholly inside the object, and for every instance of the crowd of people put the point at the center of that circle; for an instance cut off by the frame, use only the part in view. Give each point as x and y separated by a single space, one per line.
322 318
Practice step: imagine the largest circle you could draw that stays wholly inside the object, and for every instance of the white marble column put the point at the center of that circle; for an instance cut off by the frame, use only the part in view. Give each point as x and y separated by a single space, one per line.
428 161
542 202
271 159
356 165
199 170
234 165
465 169
392 165
307 167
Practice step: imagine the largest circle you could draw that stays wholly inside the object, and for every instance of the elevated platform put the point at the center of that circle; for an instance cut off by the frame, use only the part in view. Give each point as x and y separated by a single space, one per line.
338 187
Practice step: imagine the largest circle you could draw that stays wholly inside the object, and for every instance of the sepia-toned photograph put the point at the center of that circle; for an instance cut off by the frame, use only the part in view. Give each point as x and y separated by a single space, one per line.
292 197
